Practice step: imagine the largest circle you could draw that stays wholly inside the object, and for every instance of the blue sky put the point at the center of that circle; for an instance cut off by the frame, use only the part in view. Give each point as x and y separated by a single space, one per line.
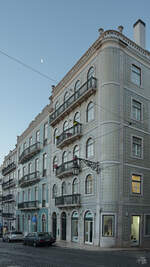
58 32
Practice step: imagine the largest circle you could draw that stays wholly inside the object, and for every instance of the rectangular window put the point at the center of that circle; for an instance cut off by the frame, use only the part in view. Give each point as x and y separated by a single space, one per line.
136 147
29 194
45 131
23 196
43 195
37 165
136 184
136 110
29 168
36 193
24 146
136 75
44 164
30 141
147 224
38 136
108 225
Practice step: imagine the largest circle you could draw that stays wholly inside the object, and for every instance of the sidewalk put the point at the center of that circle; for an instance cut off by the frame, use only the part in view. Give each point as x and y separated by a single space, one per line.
73 245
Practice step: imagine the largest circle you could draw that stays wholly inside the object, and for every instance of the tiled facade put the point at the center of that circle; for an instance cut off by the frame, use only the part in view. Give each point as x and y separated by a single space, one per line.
87 180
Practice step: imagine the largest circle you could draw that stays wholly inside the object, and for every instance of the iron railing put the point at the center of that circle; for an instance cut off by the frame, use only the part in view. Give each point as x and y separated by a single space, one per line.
9 168
9 197
70 133
29 152
29 205
68 200
8 184
29 178
69 166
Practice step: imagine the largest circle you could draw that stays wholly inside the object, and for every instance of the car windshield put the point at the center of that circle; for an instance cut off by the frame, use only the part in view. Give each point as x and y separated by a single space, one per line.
43 235
16 233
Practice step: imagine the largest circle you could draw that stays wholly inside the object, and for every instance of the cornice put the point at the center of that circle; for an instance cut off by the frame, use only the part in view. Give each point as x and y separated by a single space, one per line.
107 35
38 119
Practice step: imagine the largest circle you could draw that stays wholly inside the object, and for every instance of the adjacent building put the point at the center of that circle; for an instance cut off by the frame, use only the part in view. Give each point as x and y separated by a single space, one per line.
83 163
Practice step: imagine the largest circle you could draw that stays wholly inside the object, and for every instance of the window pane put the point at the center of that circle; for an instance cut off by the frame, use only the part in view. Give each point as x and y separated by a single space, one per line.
136 110
108 225
136 184
136 75
147 225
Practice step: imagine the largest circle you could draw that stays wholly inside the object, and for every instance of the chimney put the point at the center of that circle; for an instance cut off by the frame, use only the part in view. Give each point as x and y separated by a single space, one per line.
139 32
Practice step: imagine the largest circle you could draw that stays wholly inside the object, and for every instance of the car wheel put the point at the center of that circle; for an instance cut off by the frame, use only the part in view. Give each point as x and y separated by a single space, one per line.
34 244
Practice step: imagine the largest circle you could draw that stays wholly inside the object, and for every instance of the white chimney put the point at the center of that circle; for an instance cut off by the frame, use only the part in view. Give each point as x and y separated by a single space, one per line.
139 32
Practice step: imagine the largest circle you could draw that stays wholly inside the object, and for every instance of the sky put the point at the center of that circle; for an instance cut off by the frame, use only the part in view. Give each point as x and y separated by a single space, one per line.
50 36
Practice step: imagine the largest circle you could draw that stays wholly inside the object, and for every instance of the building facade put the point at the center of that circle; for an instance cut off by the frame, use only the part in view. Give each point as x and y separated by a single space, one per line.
99 186
33 175
8 172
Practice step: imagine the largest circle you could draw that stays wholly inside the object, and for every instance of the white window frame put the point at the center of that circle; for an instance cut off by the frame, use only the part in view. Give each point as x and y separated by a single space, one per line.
132 117
134 156
137 74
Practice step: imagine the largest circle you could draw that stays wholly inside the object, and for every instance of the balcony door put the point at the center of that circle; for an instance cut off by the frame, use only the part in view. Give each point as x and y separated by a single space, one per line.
54 224
63 226
135 230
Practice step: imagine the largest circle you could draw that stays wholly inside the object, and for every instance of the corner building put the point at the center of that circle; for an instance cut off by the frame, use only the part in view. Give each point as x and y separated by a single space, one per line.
100 152
33 147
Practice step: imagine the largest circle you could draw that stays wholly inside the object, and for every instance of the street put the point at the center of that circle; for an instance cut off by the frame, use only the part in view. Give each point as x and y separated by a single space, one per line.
18 255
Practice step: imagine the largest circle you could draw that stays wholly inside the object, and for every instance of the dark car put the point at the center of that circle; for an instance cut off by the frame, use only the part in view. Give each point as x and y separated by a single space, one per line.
13 236
39 239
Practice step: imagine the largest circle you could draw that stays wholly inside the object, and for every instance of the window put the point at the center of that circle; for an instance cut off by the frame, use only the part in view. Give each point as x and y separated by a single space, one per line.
36 193
45 131
136 147
55 162
88 227
43 223
63 189
44 164
74 226
64 157
30 141
24 171
76 151
147 224
43 195
136 184
23 196
65 126
75 188
89 148
136 75
55 135
77 117
77 86
136 110
29 168
91 73
56 105
89 185
38 136
90 112
66 96
54 193
108 225
29 194
37 165
24 146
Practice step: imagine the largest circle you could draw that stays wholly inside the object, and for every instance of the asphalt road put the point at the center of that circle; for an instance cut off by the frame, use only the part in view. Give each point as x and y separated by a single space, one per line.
18 255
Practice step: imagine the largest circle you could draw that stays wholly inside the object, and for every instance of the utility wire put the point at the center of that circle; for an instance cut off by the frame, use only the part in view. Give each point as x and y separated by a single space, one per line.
27 66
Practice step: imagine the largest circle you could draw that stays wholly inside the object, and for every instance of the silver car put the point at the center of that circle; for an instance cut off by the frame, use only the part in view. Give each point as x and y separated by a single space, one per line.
13 236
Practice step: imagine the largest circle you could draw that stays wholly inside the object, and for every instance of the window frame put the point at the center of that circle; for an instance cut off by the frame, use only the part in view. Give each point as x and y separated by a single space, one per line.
141 110
141 184
88 112
91 155
136 72
113 227
136 156
146 235
87 187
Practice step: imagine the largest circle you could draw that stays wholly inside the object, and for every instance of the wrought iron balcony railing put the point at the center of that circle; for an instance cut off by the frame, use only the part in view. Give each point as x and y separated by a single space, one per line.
8 215
68 201
29 179
87 89
8 184
69 135
68 168
8 198
29 152
29 205
9 168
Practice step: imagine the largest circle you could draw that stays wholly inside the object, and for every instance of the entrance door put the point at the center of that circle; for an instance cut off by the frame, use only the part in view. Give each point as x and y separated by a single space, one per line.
63 226
135 230
54 224
88 231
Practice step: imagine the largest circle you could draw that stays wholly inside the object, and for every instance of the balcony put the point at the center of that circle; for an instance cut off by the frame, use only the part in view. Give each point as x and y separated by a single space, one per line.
29 152
29 179
69 135
9 168
8 198
29 205
8 215
68 168
68 201
86 90
8 184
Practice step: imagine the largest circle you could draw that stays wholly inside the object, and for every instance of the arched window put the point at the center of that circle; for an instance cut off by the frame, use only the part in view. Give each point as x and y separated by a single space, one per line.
76 151
90 112
55 163
89 148
66 96
74 226
77 86
43 223
54 193
89 185
65 126
55 135
63 189
75 187
77 117
88 227
56 105
64 157
91 73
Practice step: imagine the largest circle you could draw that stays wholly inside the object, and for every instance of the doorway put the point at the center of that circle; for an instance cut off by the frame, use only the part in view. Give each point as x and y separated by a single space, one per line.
135 230
88 228
54 224
63 226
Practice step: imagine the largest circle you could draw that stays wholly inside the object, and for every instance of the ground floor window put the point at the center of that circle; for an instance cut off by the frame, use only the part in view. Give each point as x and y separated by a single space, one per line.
23 223
108 223
29 223
74 226
147 224
43 223
88 227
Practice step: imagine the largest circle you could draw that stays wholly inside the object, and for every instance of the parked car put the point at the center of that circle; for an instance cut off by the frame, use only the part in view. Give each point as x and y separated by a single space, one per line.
39 239
13 236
